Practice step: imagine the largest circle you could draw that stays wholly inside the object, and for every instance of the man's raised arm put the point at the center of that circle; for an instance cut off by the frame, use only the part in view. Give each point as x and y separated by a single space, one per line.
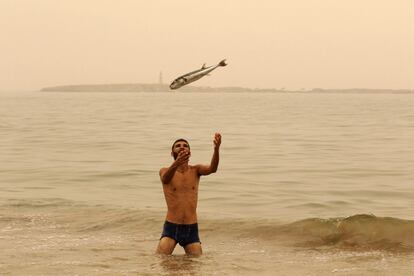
212 168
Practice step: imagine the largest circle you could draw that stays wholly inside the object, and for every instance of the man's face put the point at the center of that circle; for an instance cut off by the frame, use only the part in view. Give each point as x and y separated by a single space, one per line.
178 147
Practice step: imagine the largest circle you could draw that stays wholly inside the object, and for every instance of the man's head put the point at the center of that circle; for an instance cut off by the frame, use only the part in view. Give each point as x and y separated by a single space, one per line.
179 145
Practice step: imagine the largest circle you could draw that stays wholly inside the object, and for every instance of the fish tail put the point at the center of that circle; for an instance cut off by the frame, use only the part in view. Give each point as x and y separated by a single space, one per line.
222 63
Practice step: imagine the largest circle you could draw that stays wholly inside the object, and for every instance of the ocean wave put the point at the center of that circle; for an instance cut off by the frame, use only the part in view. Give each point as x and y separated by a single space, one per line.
115 220
356 232
362 231
36 203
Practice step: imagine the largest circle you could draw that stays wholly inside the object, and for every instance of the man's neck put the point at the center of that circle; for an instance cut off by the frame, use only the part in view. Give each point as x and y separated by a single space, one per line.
182 168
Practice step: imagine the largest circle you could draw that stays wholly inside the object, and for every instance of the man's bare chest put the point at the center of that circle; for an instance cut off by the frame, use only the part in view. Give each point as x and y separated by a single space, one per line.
187 181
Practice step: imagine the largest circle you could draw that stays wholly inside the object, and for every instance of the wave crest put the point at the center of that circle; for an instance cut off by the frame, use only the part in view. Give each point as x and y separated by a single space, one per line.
360 231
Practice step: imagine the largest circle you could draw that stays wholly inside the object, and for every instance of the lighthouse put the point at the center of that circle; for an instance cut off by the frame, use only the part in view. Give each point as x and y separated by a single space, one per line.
160 81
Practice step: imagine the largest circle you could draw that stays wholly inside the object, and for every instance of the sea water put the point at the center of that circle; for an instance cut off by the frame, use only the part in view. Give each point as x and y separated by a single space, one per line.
308 183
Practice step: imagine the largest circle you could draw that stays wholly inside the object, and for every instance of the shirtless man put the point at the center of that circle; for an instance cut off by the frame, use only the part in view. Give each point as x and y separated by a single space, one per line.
180 184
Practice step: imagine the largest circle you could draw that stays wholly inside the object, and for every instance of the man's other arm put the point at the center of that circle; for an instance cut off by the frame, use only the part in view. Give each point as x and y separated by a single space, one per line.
212 168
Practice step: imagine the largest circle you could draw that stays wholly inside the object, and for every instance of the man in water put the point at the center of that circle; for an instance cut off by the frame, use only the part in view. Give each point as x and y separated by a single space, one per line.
180 185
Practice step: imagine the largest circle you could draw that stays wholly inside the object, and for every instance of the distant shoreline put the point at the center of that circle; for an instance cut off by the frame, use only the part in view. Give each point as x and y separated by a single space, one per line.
164 88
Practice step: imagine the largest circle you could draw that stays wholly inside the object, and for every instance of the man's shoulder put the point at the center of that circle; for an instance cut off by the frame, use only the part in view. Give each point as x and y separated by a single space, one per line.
163 169
196 167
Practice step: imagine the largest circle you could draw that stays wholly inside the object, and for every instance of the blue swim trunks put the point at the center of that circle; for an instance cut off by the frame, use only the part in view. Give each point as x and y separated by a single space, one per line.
183 234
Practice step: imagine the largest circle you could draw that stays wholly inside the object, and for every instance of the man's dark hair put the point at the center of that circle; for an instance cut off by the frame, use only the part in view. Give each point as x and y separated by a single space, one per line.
179 140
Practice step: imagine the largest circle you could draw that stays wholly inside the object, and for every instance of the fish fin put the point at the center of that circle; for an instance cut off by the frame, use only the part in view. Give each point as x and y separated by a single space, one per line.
222 63
204 66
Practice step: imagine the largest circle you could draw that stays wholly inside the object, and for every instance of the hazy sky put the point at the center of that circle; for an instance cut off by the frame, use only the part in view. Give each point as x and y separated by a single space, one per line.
268 43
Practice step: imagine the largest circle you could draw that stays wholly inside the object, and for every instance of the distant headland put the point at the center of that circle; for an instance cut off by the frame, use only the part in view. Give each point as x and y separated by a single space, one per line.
162 88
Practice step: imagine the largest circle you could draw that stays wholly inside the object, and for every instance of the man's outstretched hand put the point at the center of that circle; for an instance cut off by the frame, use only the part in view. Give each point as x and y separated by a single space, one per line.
217 140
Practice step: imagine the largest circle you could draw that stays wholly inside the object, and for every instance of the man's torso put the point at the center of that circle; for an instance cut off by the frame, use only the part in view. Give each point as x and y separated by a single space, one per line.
181 195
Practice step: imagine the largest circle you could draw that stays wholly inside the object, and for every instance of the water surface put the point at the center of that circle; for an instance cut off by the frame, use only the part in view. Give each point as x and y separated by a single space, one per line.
308 183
